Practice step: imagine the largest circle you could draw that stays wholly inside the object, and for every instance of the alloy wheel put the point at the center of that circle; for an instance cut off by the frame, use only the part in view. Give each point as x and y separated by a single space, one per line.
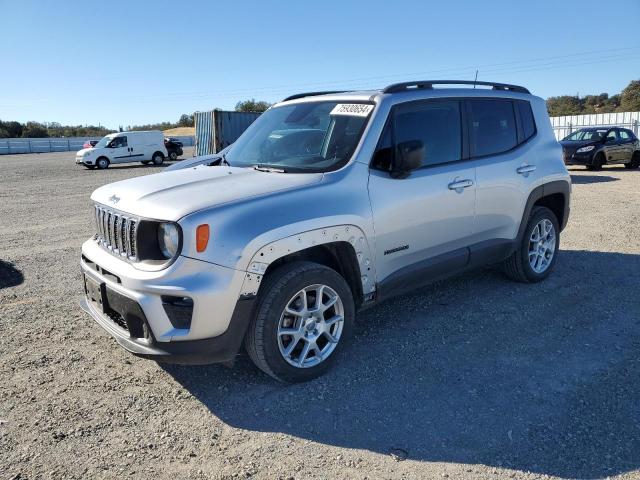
542 245
310 326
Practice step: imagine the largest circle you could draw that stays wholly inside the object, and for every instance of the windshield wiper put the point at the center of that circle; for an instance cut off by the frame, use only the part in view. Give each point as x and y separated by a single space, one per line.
224 159
265 168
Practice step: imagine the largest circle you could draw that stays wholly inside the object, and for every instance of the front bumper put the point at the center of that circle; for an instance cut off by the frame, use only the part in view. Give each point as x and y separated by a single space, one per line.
83 161
578 158
128 304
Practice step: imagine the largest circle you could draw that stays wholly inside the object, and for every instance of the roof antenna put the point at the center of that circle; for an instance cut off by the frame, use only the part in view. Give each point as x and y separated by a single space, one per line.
475 79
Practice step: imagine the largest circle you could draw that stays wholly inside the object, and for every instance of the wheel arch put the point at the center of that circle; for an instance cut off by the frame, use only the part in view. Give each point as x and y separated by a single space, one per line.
553 195
343 248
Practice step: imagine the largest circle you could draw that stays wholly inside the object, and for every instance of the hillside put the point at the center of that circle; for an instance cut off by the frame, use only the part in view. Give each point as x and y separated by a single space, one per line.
180 131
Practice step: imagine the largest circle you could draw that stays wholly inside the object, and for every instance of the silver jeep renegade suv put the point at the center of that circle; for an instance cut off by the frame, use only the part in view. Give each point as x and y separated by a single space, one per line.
328 203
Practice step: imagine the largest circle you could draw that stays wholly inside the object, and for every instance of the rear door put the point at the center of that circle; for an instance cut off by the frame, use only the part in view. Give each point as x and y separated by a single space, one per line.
501 133
426 218
627 145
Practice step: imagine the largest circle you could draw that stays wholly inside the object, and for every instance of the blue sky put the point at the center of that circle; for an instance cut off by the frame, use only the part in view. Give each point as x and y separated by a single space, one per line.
131 62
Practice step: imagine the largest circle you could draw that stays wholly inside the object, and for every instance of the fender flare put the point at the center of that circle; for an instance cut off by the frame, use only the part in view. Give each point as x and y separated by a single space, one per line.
558 186
272 251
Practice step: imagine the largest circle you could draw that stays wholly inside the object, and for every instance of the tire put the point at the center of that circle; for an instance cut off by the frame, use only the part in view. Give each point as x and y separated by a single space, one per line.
173 156
284 289
518 266
634 163
158 158
102 163
598 162
146 162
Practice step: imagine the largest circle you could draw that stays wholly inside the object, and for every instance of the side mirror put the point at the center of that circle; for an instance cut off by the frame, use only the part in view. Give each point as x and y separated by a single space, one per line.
409 156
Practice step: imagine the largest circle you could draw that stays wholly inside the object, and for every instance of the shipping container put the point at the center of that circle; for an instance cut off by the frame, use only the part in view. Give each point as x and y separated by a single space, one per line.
218 129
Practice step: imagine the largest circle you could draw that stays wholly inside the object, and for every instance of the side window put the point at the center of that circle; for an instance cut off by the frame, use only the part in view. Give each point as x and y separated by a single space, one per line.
526 119
436 123
611 136
624 136
492 126
119 142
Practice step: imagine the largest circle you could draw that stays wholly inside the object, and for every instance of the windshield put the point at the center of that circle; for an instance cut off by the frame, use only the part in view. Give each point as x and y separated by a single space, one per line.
306 137
582 135
103 142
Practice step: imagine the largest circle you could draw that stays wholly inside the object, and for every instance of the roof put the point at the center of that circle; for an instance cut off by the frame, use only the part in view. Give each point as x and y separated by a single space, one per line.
420 85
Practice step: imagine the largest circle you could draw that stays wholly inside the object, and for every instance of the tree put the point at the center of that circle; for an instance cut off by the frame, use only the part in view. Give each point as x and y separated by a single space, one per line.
630 97
185 120
252 106
4 133
34 130
564 105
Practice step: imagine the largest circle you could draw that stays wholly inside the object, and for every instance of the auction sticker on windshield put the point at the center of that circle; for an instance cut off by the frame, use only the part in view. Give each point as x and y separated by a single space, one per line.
352 109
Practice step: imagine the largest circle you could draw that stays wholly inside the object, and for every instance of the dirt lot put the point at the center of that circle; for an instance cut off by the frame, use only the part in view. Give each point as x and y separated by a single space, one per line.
474 377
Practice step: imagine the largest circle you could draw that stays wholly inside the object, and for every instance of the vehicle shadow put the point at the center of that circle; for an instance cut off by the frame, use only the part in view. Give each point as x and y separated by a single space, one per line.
10 276
477 369
584 179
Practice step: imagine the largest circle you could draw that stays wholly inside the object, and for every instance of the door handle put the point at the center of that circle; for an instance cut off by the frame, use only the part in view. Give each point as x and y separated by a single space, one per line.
459 185
526 169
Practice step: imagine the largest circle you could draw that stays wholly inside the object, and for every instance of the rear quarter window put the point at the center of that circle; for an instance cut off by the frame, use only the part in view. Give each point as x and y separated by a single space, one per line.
527 121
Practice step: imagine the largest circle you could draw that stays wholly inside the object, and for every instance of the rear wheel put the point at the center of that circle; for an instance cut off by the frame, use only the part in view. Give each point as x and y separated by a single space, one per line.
635 161
304 316
157 158
173 156
537 253
102 163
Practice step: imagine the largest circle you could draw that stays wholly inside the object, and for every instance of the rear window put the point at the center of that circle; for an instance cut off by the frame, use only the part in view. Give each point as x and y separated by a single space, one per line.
492 126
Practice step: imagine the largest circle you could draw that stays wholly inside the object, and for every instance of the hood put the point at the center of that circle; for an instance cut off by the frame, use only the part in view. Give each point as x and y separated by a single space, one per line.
172 195
85 150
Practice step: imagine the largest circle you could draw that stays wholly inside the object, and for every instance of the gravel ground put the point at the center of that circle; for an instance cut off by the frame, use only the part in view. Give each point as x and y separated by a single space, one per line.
473 377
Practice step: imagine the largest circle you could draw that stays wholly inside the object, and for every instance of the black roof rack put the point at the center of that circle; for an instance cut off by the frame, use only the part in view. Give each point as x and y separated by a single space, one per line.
312 94
428 84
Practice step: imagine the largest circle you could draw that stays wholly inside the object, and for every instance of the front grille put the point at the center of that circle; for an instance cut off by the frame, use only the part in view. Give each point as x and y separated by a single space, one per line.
116 232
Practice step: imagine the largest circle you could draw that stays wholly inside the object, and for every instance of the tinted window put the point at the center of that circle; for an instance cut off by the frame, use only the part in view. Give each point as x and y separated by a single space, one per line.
526 119
436 124
624 136
611 136
492 126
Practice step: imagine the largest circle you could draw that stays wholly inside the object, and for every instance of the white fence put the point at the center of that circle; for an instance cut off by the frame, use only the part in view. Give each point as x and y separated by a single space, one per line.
45 145
563 126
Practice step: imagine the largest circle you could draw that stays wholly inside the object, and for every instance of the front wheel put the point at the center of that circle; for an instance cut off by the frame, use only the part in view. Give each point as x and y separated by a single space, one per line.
537 253
173 156
597 162
304 316
102 163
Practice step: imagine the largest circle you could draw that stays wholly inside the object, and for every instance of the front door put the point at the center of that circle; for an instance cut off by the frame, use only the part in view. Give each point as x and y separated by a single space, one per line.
612 147
627 145
120 150
423 221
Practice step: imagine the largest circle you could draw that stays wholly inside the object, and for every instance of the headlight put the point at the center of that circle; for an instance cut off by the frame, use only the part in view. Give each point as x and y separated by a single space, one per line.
585 149
168 239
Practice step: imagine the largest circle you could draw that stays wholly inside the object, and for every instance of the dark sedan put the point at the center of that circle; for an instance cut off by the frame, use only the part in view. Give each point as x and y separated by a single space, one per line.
598 146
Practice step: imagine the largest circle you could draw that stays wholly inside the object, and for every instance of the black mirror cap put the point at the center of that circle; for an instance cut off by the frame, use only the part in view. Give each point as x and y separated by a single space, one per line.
410 156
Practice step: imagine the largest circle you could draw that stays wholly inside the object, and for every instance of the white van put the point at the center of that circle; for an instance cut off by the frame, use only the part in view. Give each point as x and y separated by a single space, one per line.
125 147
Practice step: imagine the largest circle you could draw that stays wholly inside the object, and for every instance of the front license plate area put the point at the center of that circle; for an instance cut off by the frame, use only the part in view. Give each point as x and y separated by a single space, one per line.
96 292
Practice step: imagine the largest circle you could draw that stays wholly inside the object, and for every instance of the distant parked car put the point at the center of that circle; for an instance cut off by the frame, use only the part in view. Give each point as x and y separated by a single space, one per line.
597 146
89 143
174 147
124 147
